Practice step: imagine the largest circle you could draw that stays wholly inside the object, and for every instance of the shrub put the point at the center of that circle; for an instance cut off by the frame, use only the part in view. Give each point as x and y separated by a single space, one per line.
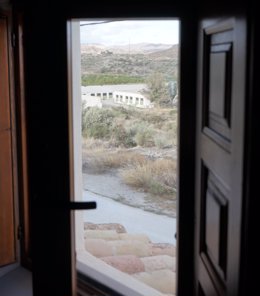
97 123
124 137
162 141
144 135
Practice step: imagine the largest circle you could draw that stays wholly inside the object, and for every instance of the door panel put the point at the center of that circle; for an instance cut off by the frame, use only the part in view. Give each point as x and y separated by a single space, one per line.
7 235
220 155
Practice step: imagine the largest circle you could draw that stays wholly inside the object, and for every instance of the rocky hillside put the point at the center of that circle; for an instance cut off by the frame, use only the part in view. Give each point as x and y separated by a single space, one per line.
132 60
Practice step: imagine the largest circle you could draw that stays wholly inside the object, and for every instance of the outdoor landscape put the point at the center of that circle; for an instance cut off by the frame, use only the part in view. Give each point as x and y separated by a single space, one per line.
137 146
129 158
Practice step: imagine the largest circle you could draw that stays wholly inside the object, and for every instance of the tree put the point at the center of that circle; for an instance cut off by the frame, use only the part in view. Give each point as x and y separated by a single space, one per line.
157 90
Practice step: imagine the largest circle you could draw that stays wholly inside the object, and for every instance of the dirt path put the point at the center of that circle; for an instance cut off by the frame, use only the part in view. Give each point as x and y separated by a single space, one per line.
110 185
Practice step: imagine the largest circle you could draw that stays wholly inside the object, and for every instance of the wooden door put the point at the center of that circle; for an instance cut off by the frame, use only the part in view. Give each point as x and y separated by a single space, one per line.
219 160
7 233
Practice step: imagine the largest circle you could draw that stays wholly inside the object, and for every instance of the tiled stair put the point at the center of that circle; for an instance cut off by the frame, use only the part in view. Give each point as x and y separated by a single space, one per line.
134 254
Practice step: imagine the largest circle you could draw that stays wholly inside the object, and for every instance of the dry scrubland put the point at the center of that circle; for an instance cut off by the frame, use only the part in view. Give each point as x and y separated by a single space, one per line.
139 144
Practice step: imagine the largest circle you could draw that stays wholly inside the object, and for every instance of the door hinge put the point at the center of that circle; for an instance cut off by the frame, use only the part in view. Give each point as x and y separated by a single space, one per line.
13 40
20 232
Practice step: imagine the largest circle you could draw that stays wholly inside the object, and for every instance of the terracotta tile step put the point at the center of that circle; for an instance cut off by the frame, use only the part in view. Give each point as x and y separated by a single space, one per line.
102 234
132 264
113 235
163 249
105 226
104 248
126 263
161 280
130 247
159 262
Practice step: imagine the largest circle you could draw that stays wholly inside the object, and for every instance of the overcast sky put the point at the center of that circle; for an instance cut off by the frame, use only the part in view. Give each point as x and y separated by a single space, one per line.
125 32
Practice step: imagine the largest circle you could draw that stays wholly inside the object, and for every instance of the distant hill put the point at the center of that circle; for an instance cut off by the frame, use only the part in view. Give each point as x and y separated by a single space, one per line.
92 48
139 60
142 48
171 53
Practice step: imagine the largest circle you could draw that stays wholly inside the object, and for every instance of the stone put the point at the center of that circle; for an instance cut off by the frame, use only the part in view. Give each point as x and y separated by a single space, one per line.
127 263
159 262
101 234
161 280
98 247
105 226
130 247
163 249
139 237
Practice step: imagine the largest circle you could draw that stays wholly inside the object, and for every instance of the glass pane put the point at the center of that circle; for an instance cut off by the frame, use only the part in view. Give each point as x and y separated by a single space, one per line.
129 74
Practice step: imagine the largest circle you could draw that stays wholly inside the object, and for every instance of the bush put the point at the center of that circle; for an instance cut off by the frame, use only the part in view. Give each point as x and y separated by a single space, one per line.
97 123
124 137
144 135
161 141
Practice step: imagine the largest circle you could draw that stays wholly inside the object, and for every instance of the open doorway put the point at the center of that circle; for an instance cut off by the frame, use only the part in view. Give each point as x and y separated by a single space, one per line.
125 113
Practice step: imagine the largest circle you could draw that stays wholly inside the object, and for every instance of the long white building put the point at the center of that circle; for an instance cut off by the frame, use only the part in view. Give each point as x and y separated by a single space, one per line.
124 94
132 99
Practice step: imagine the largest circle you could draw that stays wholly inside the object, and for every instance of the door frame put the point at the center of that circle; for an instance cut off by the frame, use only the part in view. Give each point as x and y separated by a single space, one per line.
43 200
186 157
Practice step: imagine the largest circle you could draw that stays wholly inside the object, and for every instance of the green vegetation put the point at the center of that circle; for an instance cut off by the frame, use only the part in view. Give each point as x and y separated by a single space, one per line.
97 123
108 133
102 79
136 144
157 90
142 65
124 127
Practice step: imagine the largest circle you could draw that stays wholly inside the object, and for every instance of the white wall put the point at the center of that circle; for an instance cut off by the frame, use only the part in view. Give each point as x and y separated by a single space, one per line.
132 99
92 101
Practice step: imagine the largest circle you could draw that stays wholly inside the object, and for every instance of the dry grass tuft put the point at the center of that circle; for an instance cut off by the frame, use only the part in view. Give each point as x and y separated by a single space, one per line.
157 177
101 160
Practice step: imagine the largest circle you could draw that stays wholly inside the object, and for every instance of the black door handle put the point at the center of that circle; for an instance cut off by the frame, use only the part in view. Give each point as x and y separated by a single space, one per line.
81 205
70 205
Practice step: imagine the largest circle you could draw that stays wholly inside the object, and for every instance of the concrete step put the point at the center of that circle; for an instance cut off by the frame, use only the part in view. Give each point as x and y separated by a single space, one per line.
130 247
159 262
126 263
136 237
105 226
163 249
161 280
98 247
102 234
